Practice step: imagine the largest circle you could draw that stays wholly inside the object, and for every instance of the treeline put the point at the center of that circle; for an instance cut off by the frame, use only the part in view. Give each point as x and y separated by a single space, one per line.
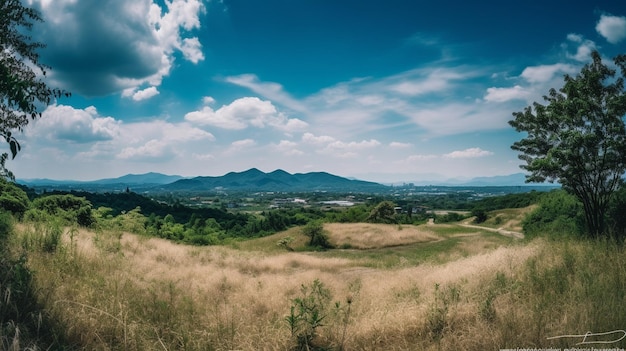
556 212
133 212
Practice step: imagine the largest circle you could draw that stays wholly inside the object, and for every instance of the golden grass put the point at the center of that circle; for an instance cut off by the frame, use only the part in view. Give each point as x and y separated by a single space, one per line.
155 294
374 236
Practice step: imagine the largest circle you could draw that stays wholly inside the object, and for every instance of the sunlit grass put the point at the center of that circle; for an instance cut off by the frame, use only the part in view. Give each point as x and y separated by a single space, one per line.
467 289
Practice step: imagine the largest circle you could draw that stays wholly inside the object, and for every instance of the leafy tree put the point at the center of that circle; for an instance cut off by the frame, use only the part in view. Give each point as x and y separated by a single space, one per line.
480 215
383 212
12 198
22 86
69 207
578 138
317 235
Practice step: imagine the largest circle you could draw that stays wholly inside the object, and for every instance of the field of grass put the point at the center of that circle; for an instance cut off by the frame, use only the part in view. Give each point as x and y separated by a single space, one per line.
429 287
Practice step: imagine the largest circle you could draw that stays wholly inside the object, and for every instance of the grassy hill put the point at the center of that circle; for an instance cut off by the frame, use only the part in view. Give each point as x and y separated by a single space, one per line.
426 287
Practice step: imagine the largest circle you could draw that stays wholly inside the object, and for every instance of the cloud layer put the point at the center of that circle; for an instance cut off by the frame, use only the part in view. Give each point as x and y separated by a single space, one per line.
104 47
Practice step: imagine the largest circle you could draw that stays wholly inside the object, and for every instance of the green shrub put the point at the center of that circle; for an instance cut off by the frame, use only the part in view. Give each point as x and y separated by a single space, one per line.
307 313
317 235
559 214
70 208
12 198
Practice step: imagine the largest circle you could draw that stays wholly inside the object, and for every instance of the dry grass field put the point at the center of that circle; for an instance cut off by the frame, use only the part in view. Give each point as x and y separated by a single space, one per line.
440 288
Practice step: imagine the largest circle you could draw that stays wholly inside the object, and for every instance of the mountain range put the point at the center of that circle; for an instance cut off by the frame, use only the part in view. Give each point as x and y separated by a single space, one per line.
252 180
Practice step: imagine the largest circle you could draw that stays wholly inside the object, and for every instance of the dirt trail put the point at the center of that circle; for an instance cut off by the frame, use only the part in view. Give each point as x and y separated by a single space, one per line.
501 230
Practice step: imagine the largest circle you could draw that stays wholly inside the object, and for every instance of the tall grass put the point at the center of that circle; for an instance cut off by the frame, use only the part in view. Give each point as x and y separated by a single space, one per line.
125 292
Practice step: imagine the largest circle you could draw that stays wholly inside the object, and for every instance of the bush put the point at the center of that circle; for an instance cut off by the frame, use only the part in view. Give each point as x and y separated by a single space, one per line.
480 214
12 198
71 208
558 214
317 235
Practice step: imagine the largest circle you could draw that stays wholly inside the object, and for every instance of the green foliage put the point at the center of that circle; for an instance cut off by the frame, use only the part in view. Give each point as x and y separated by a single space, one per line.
616 215
384 212
579 138
23 323
307 313
517 200
23 89
13 198
558 214
70 208
318 237
480 215
449 217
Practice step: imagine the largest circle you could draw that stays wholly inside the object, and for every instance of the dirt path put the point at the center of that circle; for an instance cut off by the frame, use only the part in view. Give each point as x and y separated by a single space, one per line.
500 230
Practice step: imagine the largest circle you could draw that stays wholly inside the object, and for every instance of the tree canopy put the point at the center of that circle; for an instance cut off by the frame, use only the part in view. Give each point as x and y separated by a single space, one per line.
22 86
579 138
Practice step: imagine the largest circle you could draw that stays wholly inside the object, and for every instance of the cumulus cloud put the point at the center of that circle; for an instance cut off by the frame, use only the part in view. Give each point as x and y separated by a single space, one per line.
612 28
545 73
141 94
288 148
584 47
245 112
67 124
158 140
468 153
104 47
153 149
242 144
506 94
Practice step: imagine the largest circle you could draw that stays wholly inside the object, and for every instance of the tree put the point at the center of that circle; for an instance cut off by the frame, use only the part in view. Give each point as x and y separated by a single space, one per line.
12 198
317 235
22 86
383 212
578 138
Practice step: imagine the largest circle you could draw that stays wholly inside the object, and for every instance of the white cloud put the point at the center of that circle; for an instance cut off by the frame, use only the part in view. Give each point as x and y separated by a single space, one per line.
612 28
153 149
506 94
139 95
65 123
244 112
545 73
312 139
421 82
270 90
242 144
288 148
399 145
354 145
132 44
469 153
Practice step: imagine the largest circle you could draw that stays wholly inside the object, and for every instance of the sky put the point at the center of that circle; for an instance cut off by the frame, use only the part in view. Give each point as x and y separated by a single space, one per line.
387 91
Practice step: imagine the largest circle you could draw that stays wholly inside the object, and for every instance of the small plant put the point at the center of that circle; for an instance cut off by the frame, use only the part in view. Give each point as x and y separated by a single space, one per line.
438 319
285 243
307 314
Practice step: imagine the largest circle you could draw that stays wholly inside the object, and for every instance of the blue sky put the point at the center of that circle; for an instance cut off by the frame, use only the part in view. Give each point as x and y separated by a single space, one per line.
392 90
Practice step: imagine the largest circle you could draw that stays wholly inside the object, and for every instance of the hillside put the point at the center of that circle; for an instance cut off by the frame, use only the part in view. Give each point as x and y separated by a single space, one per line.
278 180
427 287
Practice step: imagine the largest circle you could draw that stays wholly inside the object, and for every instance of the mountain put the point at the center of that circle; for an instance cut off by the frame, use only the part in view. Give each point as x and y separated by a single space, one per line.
138 182
278 180
146 178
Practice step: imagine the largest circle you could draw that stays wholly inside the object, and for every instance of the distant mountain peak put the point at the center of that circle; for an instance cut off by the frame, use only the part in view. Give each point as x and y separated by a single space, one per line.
278 180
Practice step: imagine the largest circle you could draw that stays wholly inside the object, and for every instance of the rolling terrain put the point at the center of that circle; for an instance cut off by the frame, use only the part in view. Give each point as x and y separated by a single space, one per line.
427 287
